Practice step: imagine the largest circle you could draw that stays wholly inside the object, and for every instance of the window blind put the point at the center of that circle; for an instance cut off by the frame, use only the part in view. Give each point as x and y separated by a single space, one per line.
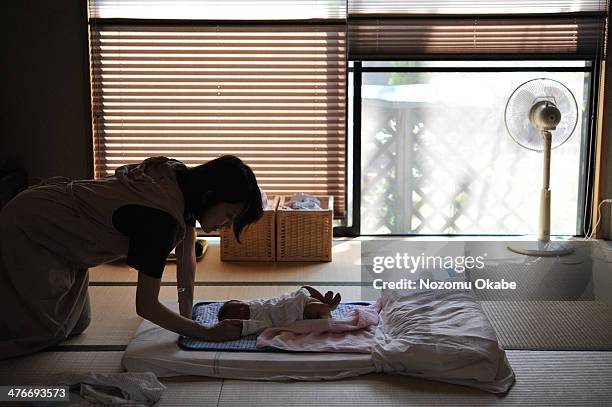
273 95
218 9
474 7
477 37
465 29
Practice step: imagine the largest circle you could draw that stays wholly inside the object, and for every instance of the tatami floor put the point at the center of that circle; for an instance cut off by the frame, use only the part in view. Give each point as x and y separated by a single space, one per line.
544 378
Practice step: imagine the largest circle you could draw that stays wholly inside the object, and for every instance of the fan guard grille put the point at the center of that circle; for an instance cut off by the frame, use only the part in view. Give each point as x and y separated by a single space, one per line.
523 98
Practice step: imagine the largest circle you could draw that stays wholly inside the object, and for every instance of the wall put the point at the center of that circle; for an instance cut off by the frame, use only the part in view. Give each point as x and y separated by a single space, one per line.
606 165
607 174
45 117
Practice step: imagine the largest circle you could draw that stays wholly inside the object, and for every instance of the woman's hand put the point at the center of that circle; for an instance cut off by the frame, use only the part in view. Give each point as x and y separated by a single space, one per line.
226 330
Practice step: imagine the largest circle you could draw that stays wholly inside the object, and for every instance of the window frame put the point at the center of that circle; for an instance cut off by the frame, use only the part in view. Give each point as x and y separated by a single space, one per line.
587 159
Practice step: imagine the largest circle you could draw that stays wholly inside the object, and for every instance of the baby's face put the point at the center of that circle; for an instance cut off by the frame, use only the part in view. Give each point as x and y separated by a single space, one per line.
237 310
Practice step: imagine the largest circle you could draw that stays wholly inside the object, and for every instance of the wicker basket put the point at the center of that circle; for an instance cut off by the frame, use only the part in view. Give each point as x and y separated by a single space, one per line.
257 241
304 235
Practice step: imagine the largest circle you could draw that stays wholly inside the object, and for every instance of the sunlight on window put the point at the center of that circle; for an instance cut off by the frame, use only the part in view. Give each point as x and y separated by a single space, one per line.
436 156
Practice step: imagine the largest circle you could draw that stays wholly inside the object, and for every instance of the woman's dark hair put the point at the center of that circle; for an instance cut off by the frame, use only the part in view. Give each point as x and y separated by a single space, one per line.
224 179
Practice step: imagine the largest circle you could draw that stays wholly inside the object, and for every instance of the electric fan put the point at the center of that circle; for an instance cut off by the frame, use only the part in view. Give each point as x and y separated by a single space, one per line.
541 114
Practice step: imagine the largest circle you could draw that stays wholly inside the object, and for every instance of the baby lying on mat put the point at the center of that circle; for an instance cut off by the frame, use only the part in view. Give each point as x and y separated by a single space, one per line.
257 315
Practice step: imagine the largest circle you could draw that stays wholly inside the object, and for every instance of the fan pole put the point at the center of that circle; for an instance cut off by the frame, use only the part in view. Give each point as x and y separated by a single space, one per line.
545 248
544 229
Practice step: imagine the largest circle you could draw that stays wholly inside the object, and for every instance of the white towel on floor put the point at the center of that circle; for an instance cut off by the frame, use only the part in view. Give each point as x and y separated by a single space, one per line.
132 389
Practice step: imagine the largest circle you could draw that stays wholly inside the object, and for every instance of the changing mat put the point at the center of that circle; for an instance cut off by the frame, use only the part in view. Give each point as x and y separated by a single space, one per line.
434 335
205 313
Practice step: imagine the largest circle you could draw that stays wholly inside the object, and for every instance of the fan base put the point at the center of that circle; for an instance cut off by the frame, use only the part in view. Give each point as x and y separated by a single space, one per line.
543 249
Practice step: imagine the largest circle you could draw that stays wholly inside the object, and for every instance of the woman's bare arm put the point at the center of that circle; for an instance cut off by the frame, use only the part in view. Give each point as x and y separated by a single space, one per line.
149 307
185 271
